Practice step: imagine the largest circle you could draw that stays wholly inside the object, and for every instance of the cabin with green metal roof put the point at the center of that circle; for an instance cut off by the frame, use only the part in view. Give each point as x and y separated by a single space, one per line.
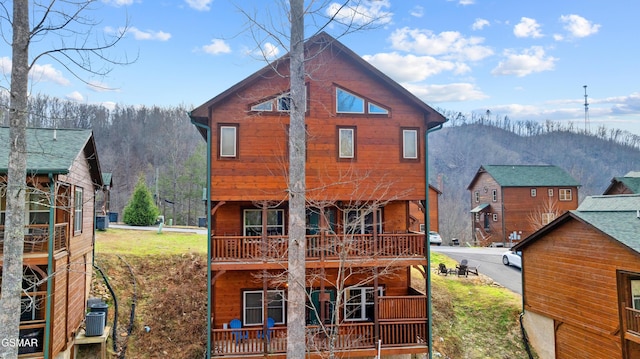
581 281
509 202
63 174
628 184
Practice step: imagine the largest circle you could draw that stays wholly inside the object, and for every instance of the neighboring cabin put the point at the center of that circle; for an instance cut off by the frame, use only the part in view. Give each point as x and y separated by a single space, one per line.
365 164
416 212
509 202
581 281
629 184
63 174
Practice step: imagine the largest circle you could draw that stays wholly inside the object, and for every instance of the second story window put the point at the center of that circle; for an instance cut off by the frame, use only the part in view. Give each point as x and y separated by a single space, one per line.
476 196
494 195
346 102
228 141
77 217
410 144
564 194
534 192
346 142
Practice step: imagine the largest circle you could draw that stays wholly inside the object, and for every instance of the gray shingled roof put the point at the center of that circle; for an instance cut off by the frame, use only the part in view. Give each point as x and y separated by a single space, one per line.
530 175
44 153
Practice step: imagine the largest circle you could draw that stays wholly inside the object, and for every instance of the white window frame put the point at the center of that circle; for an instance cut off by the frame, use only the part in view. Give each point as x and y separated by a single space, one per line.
338 90
547 218
534 192
476 195
278 227
565 194
550 192
495 217
78 206
224 145
363 303
350 133
494 195
281 307
410 153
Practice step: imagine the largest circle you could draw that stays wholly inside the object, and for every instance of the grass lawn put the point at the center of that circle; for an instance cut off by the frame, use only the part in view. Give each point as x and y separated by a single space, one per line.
149 243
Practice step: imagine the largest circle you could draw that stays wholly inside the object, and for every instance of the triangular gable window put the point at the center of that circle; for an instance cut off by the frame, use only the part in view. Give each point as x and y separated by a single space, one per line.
347 102
280 103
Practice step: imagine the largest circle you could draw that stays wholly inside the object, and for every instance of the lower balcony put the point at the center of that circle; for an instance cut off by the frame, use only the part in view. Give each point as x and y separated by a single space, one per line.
36 238
401 328
319 247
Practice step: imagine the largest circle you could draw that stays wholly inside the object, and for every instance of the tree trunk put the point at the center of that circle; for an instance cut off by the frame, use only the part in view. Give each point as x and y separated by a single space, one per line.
16 182
296 305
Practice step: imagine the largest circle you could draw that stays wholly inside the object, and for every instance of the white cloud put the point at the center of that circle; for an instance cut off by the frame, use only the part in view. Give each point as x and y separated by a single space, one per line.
525 63
464 2
118 2
200 5
527 27
365 12
454 92
417 11
47 72
268 51
216 47
449 44
5 65
480 24
578 26
149 34
411 68
75 96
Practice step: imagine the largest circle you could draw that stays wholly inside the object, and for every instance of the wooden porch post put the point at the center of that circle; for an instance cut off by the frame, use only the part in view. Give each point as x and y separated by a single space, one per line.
376 307
265 287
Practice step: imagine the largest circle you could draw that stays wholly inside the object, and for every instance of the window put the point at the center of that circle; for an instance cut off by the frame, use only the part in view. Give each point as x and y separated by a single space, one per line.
346 102
281 103
77 218
548 218
410 144
550 192
228 141
38 206
495 217
252 306
346 143
360 221
263 106
422 227
284 103
494 195
358 303
564 194
476 195
635 293
253 222
534 192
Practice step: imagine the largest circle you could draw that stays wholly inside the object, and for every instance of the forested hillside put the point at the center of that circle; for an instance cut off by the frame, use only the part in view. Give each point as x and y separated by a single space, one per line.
160 144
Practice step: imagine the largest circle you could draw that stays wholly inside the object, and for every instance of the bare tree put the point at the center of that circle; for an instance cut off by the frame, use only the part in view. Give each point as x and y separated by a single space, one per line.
52 19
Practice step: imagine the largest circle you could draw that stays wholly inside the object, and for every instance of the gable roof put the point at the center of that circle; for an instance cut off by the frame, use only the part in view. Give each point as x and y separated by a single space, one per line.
527 176
631 182
200 114
615 216
54 151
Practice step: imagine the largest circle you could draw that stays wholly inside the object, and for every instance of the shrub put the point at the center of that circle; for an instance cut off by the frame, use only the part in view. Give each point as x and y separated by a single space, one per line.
140 211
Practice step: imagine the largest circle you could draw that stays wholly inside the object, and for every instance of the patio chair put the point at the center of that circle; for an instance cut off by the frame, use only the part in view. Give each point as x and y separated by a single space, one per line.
443 270
463 268
238 335
270 324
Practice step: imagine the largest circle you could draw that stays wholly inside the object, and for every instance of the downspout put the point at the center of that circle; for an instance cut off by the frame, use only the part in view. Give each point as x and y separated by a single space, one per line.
426 236
208 129
47 320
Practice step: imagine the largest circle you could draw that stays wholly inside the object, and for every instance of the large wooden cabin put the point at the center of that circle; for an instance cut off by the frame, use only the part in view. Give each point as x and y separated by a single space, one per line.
364 167
628 184
63 176
581 281
509 202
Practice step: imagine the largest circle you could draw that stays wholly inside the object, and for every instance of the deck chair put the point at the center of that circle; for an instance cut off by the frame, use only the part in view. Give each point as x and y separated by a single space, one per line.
463 268
238 334
442 269
270 324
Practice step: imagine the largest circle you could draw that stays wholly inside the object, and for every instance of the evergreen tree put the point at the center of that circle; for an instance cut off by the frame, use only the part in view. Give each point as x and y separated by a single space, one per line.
140 211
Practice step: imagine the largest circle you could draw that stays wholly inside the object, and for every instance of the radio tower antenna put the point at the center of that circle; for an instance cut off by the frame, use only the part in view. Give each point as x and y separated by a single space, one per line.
586 110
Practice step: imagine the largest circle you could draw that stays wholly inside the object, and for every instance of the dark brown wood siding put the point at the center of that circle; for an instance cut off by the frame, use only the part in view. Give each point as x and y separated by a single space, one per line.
570 276
59 305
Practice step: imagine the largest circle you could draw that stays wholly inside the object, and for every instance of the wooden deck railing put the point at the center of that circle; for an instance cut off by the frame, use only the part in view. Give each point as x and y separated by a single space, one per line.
36 238
632 317
318 247
402 308
348 336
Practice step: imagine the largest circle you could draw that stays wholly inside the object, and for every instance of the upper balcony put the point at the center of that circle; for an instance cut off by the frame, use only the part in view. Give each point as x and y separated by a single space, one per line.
322 250
36 238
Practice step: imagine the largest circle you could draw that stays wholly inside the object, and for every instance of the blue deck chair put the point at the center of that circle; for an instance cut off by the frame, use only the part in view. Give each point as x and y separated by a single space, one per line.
238 334
270 324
